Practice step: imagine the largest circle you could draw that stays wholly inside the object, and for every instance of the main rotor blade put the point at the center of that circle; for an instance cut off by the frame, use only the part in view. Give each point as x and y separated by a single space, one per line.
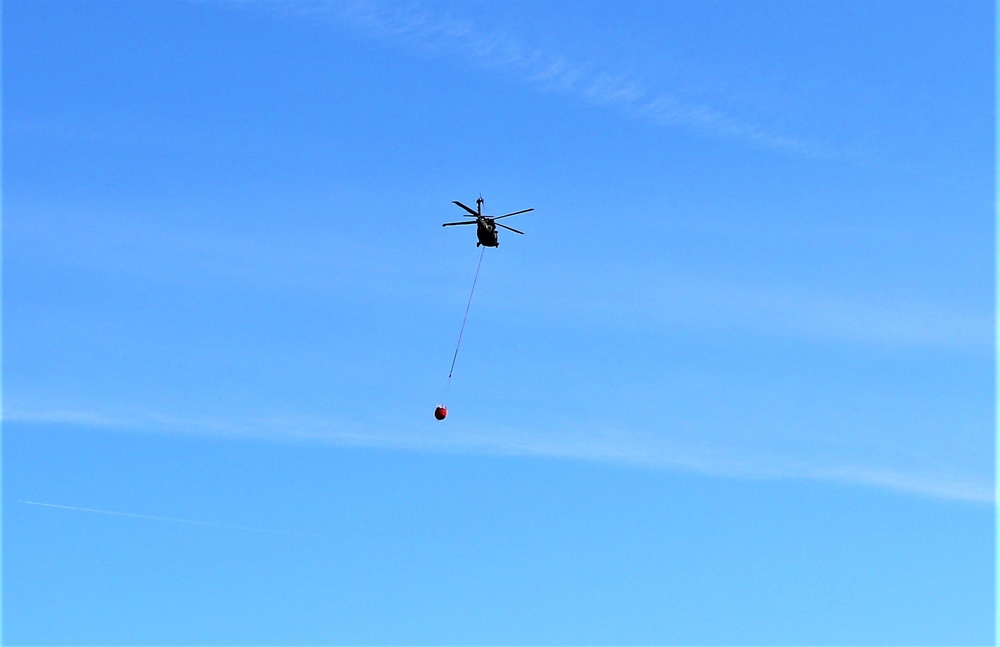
500 224
514 214
464 222
465 207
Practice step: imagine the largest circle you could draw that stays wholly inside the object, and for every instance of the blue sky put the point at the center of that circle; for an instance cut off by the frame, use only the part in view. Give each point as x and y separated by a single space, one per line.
733 386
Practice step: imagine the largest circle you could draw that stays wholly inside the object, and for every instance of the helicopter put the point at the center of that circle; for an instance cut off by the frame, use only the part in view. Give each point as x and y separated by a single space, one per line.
486 228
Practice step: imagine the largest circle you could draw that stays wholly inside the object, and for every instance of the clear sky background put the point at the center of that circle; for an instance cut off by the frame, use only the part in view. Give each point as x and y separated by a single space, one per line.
733 386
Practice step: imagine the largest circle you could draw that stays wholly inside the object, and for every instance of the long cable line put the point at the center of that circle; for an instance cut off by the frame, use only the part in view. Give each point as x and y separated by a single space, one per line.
466 317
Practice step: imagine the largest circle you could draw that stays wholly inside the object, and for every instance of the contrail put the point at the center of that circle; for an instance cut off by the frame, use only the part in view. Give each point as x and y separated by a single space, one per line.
190 522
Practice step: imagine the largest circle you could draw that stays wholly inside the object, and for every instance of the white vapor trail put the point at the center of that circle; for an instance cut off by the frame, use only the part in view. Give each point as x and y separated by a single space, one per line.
604 446
437 35
190 522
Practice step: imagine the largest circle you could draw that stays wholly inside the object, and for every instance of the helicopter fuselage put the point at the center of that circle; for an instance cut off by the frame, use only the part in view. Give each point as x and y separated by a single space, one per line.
486 231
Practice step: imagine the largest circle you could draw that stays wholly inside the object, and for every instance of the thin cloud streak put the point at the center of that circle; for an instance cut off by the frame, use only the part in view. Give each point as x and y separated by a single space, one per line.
436 35
674 300
150 517
185 257
807 316
610 446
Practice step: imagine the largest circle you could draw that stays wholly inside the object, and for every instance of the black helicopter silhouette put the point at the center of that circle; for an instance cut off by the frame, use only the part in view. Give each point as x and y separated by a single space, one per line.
486 228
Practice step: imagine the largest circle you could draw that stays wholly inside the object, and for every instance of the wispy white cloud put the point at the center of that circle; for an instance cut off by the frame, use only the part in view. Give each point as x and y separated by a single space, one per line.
639 295
604 445
176 520
663 300
433 34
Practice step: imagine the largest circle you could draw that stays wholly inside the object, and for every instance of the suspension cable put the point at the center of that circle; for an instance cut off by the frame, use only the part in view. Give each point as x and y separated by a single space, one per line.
465 318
